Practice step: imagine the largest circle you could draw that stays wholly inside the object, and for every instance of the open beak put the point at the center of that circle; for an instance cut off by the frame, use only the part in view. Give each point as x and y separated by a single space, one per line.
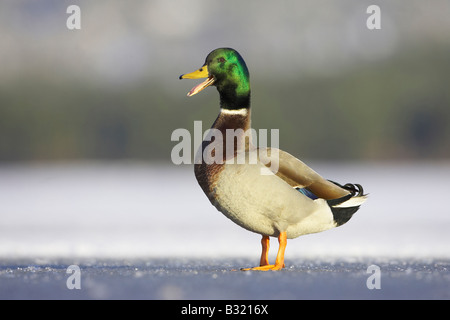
198 74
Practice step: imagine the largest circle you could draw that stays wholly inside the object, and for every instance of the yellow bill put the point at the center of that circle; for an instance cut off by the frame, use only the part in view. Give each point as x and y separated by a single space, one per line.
198 74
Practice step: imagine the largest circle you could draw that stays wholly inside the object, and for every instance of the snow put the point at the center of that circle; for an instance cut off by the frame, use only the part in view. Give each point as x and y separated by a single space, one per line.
135 210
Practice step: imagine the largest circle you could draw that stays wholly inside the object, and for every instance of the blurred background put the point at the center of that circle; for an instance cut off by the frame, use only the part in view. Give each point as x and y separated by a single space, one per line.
86 118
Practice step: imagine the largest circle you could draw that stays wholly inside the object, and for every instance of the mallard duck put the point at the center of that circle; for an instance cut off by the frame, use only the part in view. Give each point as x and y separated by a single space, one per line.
275 196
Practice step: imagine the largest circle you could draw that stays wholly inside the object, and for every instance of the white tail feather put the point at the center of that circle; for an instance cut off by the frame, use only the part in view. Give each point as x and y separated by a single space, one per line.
352 202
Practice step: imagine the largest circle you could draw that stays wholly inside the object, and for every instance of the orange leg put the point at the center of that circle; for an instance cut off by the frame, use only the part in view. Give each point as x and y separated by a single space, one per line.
265 243
279 262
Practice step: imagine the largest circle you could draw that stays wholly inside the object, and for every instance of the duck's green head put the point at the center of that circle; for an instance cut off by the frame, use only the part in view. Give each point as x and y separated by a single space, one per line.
225 69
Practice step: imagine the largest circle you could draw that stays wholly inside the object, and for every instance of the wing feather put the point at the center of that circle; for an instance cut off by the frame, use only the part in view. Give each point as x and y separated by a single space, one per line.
297 174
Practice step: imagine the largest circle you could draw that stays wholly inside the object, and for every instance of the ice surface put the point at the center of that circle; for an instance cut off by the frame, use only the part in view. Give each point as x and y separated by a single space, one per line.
215 279
148 232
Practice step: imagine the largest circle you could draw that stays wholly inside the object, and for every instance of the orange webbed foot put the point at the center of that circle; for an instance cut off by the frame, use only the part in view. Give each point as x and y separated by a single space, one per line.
279 262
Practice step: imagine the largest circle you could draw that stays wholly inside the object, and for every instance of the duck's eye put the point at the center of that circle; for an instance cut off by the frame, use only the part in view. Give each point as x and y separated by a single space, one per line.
221 59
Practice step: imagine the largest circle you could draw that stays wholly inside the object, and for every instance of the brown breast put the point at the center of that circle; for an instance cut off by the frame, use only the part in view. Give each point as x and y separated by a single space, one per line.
238 123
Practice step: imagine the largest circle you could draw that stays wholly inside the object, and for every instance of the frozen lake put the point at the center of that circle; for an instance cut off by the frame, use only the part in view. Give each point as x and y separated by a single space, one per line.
136 210
179 278
137 217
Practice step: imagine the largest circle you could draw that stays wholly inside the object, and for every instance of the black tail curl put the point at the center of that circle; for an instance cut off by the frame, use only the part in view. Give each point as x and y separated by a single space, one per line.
355 189
342 214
